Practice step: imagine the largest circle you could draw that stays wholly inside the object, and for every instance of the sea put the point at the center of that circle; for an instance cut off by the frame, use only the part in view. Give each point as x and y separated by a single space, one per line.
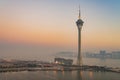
69 75
60 75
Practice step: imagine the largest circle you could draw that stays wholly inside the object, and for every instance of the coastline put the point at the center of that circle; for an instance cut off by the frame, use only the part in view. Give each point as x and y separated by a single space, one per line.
63 68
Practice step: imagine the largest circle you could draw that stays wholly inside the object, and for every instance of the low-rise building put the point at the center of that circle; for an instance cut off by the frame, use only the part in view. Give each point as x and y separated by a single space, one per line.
63 61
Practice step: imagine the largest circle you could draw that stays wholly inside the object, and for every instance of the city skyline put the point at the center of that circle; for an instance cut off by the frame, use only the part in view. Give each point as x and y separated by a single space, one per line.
32 28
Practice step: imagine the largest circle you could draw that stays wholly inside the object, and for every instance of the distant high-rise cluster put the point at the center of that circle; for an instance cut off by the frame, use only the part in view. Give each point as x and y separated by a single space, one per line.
104 54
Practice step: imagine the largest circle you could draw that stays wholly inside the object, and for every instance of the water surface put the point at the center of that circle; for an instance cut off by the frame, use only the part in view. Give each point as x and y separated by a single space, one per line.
59 75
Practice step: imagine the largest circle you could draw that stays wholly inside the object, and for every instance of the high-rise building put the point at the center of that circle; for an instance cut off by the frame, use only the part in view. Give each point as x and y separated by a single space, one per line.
79 24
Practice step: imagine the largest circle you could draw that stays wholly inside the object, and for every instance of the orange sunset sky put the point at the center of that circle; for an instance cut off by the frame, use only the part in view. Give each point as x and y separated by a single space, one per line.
49 26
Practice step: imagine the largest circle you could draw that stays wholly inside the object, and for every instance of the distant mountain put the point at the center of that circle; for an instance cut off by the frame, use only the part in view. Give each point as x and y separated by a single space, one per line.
1 60
66 54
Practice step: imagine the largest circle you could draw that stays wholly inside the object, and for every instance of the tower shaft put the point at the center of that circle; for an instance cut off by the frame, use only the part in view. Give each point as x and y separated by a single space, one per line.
79 59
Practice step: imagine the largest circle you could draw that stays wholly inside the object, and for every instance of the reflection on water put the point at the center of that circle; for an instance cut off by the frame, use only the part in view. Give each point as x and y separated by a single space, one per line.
91 75
79 75
83 75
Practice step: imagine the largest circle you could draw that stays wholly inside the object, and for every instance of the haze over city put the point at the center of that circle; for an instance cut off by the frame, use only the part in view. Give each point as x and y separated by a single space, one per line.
30 29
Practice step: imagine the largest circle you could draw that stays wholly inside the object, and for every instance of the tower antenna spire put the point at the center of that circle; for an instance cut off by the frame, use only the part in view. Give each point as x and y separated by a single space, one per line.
79 12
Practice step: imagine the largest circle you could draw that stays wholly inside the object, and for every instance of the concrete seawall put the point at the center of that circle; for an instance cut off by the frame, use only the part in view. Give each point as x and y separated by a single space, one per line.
63 68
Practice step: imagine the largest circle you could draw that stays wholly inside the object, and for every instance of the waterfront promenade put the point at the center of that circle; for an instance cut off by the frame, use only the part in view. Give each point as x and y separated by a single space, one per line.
63 68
